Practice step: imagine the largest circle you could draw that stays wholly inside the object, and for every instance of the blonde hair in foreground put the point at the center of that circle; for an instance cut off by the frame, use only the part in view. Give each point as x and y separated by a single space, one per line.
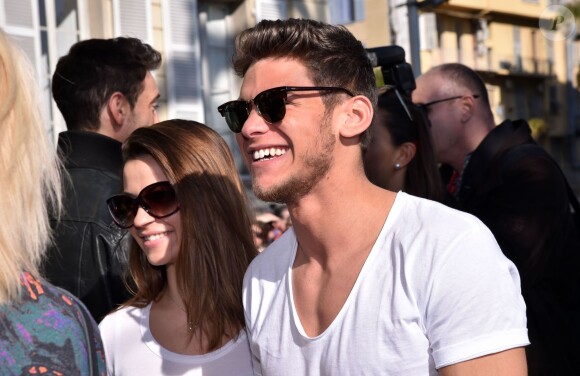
29 172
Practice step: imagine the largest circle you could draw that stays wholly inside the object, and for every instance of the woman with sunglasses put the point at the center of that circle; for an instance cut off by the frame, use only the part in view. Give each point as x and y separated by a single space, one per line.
400 156
186 209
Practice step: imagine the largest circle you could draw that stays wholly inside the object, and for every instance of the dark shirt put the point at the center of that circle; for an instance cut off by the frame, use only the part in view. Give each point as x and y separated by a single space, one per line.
48 332
90 255
520 193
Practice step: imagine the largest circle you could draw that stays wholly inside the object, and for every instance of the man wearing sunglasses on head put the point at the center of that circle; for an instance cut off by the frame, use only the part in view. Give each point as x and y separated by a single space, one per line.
509 182
105 90
367 281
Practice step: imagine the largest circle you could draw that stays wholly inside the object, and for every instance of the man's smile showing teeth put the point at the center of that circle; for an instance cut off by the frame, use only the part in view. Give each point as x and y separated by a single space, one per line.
265 154
154 236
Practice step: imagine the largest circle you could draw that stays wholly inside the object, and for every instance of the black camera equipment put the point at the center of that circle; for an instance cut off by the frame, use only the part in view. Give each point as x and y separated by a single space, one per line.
391 68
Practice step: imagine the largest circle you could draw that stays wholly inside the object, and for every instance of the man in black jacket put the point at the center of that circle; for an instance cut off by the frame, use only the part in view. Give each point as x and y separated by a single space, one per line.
509 182
104 90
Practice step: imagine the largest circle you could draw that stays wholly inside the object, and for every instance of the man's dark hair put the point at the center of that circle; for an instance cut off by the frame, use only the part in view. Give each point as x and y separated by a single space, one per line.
93 70
332 55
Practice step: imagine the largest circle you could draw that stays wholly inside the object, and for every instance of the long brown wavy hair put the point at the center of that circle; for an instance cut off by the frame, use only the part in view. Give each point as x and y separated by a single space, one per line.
217 244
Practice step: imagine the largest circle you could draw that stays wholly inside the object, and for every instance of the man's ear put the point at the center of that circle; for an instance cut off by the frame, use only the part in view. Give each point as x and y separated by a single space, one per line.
467 108
117 107
405 153
359 114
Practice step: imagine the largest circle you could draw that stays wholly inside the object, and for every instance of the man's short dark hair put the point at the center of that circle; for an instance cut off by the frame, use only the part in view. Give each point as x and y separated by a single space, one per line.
93 70
332 55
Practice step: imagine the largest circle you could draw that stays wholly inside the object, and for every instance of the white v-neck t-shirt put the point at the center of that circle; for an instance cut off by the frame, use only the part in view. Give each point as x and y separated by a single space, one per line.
131 349
435 290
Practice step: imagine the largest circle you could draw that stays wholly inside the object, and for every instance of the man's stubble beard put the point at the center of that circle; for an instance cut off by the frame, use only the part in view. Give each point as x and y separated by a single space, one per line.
317 161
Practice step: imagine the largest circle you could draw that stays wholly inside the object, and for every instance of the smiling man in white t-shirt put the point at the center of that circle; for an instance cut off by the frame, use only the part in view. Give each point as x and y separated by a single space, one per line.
367 281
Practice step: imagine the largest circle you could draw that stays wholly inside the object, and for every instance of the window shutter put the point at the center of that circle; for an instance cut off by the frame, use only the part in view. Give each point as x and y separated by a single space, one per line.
182 64
359 10
346 11
19 19
428 31
517 48
132 18
270 10
481 36
339 12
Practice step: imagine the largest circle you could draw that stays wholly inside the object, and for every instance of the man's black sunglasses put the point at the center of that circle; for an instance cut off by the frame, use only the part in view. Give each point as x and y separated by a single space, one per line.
270 105
425 105
158 200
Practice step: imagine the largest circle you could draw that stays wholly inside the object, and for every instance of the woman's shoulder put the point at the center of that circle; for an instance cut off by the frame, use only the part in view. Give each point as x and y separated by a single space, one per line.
47 317
41 298
124 315
39 295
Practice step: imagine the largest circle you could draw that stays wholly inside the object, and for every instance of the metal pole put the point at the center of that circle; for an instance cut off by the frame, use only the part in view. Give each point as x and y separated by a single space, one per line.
414 39
571 103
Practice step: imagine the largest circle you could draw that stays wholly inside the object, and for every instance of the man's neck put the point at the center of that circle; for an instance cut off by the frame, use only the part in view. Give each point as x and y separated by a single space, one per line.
340 221
476 132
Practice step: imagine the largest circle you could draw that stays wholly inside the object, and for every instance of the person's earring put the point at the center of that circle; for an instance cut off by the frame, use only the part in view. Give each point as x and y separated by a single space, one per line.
397 166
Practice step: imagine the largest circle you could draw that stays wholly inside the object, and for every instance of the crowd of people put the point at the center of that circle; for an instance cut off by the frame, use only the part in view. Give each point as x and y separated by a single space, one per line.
133 249
270 224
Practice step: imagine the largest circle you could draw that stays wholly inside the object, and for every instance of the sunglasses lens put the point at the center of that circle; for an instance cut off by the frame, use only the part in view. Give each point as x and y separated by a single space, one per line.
272 104
123 210
160 200
235 113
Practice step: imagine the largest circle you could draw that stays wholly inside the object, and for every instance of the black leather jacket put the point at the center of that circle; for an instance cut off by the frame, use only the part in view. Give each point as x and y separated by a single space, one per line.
90 254
519 192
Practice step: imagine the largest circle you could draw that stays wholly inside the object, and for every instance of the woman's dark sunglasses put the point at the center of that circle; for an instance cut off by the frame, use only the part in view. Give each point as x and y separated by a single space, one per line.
270 105
158 200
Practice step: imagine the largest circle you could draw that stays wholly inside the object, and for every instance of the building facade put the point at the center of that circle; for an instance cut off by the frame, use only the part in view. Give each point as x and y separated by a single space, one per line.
530 73
527 74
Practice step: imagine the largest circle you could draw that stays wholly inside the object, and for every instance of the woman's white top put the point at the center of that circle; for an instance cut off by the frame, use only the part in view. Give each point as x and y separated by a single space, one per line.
130 349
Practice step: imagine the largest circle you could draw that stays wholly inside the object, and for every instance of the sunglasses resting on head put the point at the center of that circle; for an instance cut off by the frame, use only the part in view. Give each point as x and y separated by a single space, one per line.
388 88
270 105
159 200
